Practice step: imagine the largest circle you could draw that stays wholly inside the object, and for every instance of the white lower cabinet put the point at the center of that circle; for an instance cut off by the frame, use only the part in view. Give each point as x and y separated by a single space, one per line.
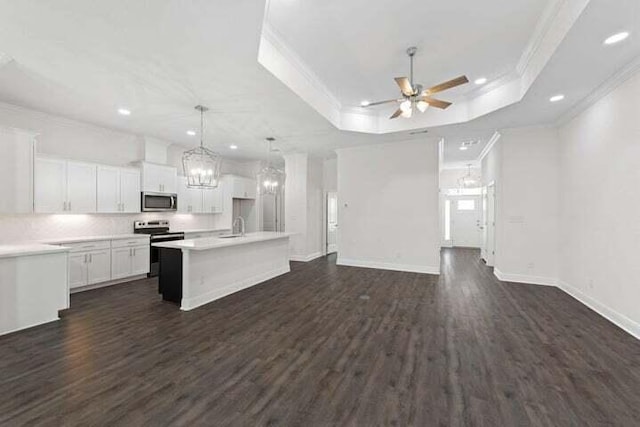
89 268
129 261
92 263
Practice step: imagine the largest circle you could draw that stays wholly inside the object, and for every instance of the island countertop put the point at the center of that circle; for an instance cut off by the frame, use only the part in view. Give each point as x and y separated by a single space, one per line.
208 243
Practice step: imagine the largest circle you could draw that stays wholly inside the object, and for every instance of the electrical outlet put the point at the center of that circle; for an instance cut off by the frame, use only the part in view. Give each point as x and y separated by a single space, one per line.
531 266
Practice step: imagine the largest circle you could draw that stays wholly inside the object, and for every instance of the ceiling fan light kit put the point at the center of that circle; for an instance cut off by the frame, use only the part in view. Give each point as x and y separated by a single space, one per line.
414 97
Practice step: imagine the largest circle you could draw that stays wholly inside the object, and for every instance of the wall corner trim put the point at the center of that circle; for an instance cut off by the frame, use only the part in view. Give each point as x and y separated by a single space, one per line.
411 268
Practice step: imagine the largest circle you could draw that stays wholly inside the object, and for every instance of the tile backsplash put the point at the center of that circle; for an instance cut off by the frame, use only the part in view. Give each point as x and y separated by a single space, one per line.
34 227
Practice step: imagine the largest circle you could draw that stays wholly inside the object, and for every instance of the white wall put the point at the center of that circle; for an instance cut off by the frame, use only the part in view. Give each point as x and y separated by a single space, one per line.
528 205
388 206
600 202
330 175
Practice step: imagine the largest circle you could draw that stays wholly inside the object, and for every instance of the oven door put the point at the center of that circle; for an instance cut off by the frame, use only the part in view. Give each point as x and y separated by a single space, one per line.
155 252
159 202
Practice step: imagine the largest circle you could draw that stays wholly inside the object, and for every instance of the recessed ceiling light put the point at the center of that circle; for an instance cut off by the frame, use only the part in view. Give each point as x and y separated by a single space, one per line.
365 103
124 112
556 98
191 132
233 147
481 81
464 147
617 38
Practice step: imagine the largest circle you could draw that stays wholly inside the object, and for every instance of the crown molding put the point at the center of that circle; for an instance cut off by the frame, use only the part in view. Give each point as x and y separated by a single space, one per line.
608 86
487 148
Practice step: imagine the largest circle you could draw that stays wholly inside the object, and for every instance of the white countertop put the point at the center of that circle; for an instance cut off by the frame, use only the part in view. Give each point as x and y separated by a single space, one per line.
63 240
207 243
201 230
27 249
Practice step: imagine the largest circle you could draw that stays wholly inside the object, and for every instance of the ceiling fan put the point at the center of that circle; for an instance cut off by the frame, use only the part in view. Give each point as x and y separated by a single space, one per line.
414 97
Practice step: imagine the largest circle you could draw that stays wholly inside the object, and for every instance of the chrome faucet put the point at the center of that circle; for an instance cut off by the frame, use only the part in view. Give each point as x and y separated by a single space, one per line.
239 221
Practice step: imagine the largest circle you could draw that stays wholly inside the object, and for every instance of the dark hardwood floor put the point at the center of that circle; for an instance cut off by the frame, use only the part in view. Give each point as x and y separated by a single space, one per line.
327 345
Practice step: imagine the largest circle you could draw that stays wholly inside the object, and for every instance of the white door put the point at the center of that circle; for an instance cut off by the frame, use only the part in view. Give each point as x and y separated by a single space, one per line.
50 185
121 262
466 221
99 267
108 189
332 222
491 225
140 260
81 187
77 270
130 190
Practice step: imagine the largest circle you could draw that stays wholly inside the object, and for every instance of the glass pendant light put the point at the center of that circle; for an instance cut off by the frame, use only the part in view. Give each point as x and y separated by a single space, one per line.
468 180
270 179
202 166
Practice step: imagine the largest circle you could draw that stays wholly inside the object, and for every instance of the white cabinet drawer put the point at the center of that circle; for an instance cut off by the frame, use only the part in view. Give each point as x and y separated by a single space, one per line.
88 246
125 243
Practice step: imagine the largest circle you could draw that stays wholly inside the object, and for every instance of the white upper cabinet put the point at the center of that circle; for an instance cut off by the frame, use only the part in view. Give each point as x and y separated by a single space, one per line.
118 190
81 187
159 178
108 189
64 186
241 187
16 171
189 199
50 185
212 200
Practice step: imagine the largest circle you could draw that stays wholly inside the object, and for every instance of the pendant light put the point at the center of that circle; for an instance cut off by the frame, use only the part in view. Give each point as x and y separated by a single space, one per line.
468 180
202 166
270 179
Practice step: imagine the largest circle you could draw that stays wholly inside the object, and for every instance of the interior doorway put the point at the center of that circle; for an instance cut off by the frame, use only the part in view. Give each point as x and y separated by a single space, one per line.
466 221
332 222
489 224
272 212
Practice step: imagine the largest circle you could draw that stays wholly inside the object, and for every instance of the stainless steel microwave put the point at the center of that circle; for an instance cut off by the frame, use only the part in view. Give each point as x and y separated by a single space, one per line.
159 202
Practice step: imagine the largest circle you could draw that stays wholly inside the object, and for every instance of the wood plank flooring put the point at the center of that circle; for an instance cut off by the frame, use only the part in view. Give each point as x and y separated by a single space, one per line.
327 345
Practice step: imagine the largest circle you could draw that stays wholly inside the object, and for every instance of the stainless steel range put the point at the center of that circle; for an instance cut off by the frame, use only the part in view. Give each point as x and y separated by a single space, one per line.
158 232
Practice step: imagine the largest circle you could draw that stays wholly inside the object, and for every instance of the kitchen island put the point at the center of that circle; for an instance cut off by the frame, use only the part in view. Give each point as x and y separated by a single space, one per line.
198 271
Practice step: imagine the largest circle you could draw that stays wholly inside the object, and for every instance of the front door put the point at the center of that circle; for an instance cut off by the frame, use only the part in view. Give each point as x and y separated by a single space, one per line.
466 217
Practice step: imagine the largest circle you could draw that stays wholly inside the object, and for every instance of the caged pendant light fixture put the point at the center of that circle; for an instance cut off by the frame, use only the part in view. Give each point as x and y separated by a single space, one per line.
201 165
469 180
270 179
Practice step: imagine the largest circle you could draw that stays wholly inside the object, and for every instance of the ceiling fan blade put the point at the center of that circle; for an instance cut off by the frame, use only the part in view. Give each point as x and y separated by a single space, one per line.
382 102
435 102
396 114
405 85
447 85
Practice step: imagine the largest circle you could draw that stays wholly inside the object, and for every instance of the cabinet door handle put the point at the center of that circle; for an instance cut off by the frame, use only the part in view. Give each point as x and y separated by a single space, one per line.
90 258
85 258
134 251
69 205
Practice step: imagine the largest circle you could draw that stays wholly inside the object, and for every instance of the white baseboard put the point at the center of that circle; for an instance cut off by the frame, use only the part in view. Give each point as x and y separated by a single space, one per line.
191 303
45 320
388 266
109 283
525 278
305 258
613 316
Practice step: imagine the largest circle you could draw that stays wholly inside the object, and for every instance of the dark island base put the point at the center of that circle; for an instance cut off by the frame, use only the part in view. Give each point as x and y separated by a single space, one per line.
170 275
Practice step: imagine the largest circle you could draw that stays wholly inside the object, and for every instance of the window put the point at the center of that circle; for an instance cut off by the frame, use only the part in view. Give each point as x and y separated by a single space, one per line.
467 205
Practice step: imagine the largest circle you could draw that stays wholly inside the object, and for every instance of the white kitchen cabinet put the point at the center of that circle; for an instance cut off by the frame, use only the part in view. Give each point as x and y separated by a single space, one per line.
81 187
64 186
16 171
77 270
127 261
159 178
189 199
50 185
212 200
89 268
118 190
240 187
